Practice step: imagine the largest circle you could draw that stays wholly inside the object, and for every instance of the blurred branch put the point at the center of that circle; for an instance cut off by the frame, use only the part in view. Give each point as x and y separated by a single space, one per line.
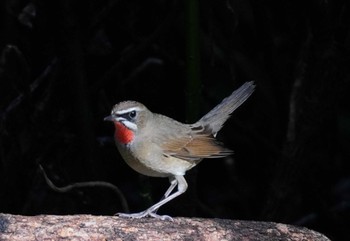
35 84
27 15
295 92
92 184
133 50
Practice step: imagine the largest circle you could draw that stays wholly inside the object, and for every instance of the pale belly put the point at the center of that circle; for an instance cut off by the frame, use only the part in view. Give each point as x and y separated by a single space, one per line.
155 165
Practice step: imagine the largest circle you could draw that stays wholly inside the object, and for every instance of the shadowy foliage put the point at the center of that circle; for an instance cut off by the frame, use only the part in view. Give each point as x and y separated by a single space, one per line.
64 64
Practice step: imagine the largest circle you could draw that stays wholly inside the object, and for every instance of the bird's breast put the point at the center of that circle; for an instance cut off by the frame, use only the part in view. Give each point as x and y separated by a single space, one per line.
122 134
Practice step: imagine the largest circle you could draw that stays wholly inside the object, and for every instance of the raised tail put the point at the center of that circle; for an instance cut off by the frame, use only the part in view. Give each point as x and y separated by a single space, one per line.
216 118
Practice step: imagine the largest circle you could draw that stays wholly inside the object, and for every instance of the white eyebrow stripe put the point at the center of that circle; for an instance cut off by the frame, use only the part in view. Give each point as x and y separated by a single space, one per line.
120 112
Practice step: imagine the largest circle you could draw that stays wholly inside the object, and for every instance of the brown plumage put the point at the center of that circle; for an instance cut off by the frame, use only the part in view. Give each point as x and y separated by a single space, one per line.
156 145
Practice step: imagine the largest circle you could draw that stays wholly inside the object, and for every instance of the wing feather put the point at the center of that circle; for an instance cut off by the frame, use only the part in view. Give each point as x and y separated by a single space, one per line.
195 147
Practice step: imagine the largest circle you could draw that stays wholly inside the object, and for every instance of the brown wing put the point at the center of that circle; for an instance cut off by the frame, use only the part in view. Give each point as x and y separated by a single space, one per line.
194 147
187 142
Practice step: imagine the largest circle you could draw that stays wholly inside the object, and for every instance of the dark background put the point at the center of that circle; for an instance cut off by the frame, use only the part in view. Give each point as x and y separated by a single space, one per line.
64 64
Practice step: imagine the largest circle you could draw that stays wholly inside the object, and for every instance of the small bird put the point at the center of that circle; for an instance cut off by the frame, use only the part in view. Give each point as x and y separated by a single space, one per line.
158 146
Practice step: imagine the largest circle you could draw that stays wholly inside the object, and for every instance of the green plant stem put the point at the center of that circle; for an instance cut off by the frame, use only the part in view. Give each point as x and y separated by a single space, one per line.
193 87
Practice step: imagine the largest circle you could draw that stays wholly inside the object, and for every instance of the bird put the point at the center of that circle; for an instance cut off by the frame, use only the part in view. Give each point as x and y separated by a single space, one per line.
158 146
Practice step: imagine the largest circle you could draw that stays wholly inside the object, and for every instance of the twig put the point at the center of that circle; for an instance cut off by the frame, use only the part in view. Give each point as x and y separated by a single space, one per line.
70 187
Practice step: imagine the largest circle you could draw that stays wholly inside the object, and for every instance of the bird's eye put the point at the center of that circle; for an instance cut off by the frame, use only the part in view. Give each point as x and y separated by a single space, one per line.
132 114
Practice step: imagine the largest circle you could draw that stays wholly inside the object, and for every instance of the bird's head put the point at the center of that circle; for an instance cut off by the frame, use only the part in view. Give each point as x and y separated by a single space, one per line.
129 117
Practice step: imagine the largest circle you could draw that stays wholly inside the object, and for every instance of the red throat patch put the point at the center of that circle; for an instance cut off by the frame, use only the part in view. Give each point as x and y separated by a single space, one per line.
122 134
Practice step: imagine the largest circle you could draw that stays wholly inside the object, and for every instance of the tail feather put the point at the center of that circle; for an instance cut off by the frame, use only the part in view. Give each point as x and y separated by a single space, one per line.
216 118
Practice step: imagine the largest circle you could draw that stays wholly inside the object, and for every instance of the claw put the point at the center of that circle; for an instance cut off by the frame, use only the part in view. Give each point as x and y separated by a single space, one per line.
161 217
143 214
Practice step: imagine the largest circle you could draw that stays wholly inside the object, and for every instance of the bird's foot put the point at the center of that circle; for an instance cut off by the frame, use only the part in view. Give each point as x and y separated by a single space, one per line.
146 213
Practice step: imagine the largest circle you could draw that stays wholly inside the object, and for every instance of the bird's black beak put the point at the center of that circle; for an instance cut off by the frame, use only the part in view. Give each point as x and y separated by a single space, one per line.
109 118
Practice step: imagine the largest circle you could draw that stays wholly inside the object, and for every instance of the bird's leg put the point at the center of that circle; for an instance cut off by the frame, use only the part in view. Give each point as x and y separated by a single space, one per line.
173 183
181 188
